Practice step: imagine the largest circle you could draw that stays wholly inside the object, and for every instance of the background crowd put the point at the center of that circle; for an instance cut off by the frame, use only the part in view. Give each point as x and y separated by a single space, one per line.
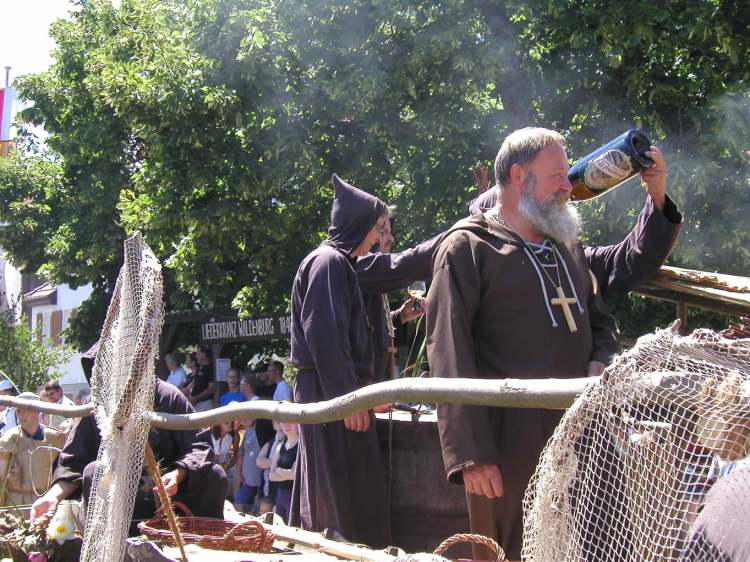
258 456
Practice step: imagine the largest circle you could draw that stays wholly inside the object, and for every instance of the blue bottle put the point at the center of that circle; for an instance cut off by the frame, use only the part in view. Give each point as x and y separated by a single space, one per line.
610 165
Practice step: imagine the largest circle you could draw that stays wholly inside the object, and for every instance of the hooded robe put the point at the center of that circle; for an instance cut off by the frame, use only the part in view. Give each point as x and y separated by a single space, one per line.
487 317
340 479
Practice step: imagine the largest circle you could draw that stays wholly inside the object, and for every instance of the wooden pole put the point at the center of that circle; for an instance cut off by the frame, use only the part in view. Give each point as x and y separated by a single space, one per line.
508 393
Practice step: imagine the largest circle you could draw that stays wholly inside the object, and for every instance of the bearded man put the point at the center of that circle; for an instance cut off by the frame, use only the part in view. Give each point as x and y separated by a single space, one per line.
513 296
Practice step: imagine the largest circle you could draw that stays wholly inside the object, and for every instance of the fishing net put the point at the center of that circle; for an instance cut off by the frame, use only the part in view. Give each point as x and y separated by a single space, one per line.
629 467
122 391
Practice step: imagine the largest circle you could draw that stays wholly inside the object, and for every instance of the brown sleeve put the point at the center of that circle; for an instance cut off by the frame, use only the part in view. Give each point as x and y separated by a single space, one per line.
621 268
466 434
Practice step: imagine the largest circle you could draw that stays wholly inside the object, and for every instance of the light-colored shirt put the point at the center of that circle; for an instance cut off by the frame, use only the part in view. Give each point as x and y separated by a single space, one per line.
61 422
283 391
251 474
177 377
222 448
8 420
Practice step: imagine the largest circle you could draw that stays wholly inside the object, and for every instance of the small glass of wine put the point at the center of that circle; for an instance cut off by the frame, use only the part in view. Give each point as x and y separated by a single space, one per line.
417 291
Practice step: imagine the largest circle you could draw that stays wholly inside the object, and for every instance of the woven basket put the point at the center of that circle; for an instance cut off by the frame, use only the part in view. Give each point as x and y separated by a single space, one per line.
472 539
216 534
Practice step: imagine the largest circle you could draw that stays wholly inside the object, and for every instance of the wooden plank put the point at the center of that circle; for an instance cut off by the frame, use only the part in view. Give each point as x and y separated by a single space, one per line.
706 302
741 299
732 283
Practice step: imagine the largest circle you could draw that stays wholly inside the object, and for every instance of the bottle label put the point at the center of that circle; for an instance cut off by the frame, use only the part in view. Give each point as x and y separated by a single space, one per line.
607 170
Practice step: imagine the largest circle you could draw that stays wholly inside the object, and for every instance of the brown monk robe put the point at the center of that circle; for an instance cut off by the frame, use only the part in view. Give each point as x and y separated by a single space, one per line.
340 482
484 291
513 297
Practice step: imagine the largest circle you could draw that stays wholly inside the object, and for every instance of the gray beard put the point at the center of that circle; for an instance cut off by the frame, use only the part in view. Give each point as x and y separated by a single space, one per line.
555 218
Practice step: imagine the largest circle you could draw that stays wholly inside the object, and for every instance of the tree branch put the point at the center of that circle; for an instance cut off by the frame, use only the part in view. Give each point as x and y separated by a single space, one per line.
509 393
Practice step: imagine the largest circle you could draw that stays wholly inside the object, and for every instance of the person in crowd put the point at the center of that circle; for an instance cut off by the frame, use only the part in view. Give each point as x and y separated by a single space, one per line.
249 477
512 296
266 387
177 374
53 392
202 391
264 461
251 390
340 466
249 387
234 394
187 457
8 418
27 454
225 444
276 375
283 460
191 362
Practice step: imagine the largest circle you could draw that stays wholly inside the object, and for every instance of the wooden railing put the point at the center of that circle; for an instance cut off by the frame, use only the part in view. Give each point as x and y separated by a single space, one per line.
725 294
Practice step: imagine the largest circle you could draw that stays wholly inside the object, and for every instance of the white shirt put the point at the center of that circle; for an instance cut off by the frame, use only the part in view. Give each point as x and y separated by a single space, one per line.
8 417
61 422
222 448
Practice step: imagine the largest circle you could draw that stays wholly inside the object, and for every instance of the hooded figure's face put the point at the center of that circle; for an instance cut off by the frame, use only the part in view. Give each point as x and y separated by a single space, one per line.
353 216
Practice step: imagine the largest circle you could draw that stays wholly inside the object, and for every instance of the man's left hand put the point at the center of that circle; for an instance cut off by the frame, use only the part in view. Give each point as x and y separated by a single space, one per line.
655 177
595 369
171 480
409 312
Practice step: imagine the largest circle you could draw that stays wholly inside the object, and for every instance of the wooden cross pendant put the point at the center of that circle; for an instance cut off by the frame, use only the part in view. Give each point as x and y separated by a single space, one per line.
565 303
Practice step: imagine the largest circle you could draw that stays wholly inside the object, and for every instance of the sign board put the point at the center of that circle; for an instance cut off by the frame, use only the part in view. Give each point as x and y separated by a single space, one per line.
222 368
272 327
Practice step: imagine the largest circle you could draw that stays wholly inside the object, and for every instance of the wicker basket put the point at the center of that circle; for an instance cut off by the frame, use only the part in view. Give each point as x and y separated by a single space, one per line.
472 539
216 534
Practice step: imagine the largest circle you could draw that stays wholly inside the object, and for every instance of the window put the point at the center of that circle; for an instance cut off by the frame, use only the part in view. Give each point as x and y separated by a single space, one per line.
39 328
56 321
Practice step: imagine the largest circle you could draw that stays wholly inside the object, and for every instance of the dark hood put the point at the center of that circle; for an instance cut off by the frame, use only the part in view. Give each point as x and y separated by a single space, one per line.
87 361
485 201
353 214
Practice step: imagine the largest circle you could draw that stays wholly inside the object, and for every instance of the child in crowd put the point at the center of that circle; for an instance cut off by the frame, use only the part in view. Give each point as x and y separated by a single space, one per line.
264 461
248 477
283 465
225 441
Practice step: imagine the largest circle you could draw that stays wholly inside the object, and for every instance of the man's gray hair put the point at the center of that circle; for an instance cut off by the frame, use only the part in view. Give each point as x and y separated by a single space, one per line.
173 357
522 146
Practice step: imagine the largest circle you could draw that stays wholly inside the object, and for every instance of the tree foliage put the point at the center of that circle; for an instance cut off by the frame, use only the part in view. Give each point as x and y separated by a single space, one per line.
214 127
24 358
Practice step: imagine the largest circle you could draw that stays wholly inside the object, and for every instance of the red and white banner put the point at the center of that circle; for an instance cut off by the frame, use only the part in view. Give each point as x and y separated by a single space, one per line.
7 112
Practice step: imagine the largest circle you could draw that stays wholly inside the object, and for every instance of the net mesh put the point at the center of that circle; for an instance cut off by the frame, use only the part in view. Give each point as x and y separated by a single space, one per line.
629 466
122 391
